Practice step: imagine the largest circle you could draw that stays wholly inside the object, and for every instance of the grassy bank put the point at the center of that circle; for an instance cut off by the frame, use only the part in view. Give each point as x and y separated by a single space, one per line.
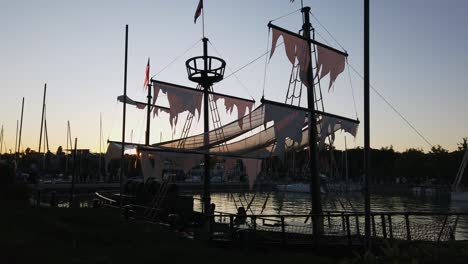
53 235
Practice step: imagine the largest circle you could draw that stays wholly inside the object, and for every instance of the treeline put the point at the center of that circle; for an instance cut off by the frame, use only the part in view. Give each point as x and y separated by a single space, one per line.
413 166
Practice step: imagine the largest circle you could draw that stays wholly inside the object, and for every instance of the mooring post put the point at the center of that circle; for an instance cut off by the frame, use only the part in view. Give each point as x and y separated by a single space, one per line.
357 226
254 219
348 230
390 228
442 229
343 222
408 229
373 226
231 225
283 230
384 228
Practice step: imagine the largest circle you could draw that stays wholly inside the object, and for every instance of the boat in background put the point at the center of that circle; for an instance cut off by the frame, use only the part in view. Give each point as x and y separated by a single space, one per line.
303 187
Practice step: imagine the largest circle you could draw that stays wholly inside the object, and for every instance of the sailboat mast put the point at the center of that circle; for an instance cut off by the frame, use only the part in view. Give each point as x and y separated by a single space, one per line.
100 145
21 126
42 116
206 126
1 141
148 115
67 149
313 149
16 137
46 135
122 164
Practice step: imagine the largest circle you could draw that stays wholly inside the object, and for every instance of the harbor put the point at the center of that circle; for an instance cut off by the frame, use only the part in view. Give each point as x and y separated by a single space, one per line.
278 149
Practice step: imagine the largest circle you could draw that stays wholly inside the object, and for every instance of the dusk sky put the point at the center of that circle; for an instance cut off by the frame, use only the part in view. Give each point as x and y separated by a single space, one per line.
418 54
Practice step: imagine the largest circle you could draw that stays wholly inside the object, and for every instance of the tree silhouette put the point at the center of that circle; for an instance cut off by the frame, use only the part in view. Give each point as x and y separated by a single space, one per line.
463 145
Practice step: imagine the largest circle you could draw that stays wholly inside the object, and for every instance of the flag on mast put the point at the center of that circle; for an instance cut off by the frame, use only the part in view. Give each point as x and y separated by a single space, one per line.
198 11
147 74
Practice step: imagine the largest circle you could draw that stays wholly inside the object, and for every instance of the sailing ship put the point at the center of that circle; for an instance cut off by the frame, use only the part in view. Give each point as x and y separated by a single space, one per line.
264 132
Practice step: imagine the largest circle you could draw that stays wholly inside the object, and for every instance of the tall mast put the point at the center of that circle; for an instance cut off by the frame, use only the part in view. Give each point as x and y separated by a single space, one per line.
42 116
313 149
367 209
206 127
72 189
122 164
67 148
21 126
46 135
100 144
16 141
212 71
1 141
148 114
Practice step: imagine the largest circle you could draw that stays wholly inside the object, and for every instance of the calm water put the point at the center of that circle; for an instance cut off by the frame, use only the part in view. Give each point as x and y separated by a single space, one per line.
299 203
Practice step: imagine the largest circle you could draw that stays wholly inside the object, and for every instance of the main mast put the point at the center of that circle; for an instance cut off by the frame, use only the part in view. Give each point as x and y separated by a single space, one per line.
212 71
148 113
313 139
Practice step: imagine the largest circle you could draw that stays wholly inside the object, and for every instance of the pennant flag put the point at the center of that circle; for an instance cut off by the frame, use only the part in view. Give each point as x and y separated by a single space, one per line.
147 74
198 11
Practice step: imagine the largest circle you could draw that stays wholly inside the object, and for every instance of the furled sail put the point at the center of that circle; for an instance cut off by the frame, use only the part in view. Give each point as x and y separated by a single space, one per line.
139 105
289 131
114 151
230 131
152 162
288 123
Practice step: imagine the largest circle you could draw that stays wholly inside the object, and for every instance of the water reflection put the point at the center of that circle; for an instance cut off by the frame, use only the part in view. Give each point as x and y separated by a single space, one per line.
299 203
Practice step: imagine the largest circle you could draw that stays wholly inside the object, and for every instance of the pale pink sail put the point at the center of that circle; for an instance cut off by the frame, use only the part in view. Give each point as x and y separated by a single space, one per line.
240 104
296 48
329 62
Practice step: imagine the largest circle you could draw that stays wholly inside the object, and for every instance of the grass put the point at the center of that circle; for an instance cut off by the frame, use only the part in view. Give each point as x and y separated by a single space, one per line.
54 235
86 235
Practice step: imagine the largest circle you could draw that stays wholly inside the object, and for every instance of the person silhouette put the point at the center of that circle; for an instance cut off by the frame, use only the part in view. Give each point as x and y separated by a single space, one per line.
241 216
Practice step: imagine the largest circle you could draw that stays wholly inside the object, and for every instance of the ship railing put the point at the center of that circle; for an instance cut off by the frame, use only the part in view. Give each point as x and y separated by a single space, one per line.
344 226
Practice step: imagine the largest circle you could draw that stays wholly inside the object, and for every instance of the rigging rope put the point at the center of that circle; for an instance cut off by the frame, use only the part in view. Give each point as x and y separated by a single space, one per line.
254 60
373 88
393 108
352 89
318 21
113 120
266 63
283 16
229 68
174 60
